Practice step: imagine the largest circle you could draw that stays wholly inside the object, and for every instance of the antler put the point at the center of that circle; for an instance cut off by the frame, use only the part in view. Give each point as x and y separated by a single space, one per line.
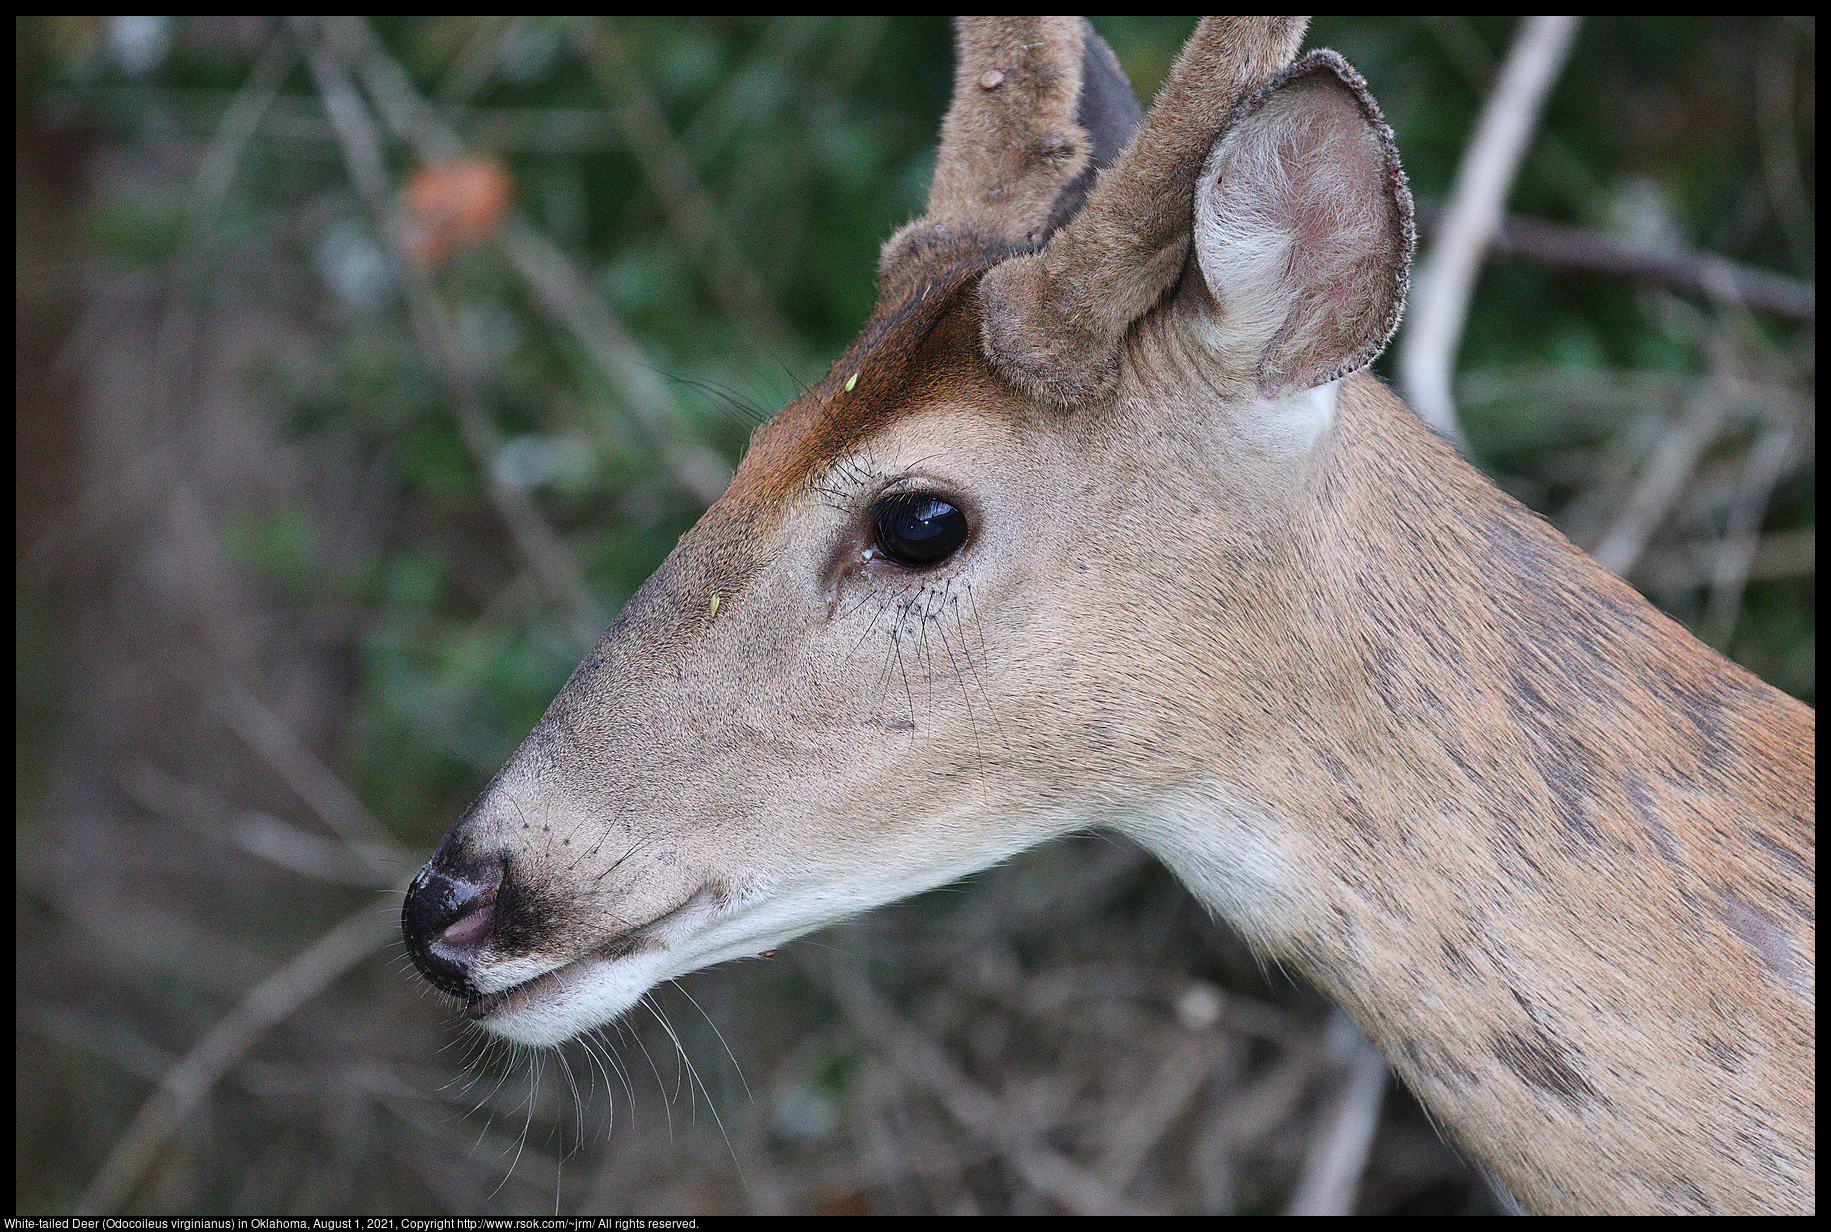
1040 104
1053 321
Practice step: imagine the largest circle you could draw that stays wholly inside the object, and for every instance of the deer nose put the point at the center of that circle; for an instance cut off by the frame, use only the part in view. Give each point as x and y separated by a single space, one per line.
449 913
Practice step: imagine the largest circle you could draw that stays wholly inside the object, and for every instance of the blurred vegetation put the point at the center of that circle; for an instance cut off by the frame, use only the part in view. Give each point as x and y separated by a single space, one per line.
271 473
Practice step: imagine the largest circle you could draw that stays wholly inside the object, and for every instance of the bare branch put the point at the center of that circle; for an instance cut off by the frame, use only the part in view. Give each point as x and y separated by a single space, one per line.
1685 566
1446 277
1682 269
1338 1151
186 1084
1663 478
691 214
1151 1114
1780 161
259 834
539 545
560 289
1760 473
177 358
310 779
565 297
922 1062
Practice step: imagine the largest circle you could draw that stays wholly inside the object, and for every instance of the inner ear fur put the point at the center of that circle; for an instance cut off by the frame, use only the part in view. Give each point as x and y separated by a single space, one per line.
1303 231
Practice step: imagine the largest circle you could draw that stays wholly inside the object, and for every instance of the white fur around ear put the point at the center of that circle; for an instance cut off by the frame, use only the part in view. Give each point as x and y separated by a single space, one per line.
1303 231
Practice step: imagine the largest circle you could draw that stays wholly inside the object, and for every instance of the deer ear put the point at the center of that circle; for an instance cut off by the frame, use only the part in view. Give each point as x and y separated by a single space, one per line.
1055 320
1303 231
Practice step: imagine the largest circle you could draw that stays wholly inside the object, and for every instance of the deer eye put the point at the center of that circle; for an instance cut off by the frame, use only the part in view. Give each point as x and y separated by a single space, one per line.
918 529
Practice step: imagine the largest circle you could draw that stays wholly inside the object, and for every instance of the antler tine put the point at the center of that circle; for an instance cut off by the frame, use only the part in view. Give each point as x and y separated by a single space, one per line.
1141 207
1011 142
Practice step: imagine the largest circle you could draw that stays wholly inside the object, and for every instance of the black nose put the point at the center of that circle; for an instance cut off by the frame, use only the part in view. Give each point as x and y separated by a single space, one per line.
449 914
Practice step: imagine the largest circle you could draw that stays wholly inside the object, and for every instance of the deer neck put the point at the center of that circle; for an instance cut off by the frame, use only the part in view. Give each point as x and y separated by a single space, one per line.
1476 818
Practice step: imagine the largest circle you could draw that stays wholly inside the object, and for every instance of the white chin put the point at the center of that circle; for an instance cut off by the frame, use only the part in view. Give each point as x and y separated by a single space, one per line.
550 1009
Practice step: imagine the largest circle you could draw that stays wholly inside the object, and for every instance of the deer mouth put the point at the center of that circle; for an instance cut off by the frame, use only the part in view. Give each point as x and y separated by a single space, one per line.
485 1004
479 1006
596 986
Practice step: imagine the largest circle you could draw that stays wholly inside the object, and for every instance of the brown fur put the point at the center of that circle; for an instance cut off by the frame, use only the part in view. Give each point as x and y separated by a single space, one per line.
1011 142
1610 1025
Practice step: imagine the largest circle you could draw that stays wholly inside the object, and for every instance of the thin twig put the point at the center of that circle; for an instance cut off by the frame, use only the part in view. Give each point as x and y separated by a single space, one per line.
1558 167
1247 1116
1683 269
178 346
1761 471
186 1084
920 1061
1663 478
670 175
100 1034
1150 1115
538 543
1340 1145
478 63
240 121
559 288
1445 279
311 780
563 294
299 120
1780 161
756 177
140 940
1685 566
258 834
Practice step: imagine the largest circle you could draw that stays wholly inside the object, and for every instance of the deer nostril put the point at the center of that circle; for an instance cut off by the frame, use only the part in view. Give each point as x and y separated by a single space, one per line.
449 912
472 927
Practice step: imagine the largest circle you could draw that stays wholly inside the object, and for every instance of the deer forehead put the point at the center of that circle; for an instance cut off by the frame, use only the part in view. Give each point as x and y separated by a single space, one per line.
919 346
919 403
924 406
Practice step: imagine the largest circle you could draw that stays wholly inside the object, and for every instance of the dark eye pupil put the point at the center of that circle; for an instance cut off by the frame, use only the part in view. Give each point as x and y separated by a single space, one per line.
918 529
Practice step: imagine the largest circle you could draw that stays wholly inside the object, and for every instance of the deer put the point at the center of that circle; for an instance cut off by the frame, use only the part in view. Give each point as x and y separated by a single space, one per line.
1102 522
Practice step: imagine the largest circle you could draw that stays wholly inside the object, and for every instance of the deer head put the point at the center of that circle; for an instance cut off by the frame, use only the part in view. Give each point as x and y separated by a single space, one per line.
1096 525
